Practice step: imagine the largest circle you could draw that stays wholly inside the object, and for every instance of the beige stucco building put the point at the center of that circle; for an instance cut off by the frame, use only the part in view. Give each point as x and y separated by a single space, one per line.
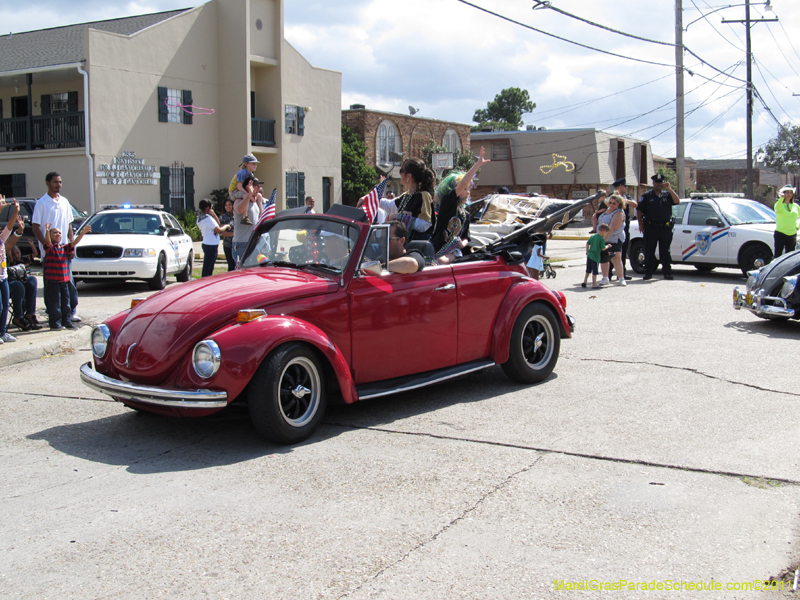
100 103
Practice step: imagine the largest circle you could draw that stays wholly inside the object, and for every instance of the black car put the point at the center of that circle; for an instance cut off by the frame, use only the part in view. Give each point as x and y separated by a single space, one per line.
26 206
772 291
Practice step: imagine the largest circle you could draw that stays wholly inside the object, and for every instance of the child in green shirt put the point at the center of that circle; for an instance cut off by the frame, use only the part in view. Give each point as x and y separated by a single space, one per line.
596 244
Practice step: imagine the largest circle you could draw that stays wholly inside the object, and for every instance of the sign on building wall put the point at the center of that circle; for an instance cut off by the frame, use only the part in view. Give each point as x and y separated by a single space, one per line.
126 169
579 194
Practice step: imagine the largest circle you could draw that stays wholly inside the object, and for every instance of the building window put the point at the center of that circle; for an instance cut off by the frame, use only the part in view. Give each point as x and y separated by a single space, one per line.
177 187
451 141
295 117
500 151
388 142
12 186
295 189
64 102
169 106
58 103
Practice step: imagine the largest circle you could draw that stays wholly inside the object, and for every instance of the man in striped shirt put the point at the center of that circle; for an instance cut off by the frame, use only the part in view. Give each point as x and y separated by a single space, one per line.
56 274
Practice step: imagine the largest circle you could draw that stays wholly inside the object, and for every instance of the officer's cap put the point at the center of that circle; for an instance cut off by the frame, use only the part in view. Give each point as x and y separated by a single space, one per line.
619 182
659 178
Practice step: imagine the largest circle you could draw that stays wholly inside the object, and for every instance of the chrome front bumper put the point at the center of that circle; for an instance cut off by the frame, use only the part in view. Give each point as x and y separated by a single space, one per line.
572 323
754 302
152 395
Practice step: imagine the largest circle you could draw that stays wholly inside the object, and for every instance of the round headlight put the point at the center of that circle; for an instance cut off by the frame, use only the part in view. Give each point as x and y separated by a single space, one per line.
789 285
206 358
100 336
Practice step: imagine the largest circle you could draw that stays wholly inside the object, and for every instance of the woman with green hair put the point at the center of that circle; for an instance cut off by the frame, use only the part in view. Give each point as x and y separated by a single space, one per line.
451 233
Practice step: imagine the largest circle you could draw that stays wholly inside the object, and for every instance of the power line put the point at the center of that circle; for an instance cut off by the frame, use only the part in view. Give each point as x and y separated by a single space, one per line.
758 67
719 33
510 20
786 58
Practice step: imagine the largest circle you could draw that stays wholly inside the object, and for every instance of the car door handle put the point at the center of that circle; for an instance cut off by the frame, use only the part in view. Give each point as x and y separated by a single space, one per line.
444 288
687 231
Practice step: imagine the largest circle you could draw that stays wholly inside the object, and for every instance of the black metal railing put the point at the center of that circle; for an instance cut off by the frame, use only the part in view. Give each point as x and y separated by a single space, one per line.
63 130
262 132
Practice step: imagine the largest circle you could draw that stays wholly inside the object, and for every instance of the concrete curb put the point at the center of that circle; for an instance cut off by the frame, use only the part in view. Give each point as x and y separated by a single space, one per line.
46 343
570 237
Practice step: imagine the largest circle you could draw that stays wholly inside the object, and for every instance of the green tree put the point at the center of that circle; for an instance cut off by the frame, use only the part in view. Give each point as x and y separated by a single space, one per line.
670 174
462 160
783 151
357 178
505 111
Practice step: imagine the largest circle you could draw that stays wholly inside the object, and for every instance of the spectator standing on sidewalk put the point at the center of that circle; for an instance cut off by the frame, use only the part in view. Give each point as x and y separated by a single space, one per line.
4 294
211 230
787 217
56 276
226 218
55 209
22 286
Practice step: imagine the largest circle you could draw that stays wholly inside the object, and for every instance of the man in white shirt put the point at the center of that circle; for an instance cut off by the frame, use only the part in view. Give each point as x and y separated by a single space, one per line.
55 209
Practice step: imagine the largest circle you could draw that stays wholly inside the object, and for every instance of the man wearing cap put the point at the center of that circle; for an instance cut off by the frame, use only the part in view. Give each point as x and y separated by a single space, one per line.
246 211
654 214
787 218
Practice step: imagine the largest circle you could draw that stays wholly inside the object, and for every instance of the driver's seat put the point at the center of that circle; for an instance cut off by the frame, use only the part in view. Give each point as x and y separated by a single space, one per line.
425 248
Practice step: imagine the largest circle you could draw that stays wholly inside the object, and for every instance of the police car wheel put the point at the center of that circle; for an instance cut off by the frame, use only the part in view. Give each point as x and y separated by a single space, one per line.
186 272
636 254
535 345
159 280
754 258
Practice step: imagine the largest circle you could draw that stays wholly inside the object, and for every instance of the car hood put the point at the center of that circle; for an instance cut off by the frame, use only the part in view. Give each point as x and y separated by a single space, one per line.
166 326
773 273
122 240
766 228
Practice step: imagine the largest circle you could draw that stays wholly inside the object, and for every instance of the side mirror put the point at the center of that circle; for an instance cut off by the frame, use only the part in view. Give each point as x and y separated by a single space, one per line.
714 222
371 267
173 231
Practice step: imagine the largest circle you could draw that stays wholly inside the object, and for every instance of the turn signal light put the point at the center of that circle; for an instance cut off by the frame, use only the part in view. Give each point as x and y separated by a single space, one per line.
245 316
136 301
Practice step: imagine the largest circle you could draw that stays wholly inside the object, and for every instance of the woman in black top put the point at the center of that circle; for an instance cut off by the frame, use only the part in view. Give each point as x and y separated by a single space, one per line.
451 232
414 208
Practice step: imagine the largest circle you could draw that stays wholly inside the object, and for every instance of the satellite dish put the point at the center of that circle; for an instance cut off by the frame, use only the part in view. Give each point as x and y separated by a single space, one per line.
412 111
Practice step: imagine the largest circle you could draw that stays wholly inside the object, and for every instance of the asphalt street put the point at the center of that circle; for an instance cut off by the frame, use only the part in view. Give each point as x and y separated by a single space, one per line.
661 451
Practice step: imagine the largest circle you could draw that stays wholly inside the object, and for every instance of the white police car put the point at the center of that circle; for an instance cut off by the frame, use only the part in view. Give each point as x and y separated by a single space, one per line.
714 230
133 242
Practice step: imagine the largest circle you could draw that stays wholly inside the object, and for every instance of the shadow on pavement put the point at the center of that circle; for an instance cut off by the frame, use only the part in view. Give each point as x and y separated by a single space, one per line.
787 330
149 444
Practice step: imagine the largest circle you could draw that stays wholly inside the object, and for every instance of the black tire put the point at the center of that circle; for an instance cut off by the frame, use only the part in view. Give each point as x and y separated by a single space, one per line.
636 256
186 273
755 257
704 268
286 397
159 280
535 344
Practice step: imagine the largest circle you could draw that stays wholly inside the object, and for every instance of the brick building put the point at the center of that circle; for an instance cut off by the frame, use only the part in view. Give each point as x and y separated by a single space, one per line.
729 176
388 135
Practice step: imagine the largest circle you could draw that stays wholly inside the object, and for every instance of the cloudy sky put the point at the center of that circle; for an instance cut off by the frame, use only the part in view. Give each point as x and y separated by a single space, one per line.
448 58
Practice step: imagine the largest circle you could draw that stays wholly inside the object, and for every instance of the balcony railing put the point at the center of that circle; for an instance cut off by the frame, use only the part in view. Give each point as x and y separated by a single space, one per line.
262 132
62 130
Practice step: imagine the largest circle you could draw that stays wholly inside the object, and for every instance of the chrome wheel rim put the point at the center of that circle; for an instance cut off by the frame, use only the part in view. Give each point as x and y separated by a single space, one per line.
536 342
299 391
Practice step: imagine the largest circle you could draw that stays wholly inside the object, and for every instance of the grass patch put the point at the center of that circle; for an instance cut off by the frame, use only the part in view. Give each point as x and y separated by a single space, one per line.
761 483
197 268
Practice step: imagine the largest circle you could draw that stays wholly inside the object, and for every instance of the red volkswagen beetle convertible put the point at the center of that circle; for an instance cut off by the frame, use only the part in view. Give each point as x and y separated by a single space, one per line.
313 312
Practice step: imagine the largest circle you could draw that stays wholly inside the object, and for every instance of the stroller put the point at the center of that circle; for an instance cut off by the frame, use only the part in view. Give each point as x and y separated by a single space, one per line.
549 271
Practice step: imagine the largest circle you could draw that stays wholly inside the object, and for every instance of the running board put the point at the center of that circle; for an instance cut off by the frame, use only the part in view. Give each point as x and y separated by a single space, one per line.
412 382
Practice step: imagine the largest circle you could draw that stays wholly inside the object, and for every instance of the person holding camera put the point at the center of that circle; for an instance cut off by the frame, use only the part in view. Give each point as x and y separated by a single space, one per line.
22 286
4 291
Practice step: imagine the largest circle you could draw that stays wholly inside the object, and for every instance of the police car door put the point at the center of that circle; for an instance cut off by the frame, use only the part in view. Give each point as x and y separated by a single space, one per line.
696 240
179 245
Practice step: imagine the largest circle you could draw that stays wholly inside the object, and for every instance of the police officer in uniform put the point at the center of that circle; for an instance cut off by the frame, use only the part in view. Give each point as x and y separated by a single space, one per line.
655 222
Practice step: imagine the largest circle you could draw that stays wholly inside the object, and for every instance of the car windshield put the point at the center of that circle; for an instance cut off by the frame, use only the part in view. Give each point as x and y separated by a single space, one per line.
304 242
740 213
126 223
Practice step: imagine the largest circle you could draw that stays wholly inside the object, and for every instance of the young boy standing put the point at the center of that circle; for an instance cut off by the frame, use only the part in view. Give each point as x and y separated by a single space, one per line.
56 273
596 244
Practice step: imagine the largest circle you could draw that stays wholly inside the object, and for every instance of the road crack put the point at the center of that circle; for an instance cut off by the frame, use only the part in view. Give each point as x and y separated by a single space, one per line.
693 371
464 514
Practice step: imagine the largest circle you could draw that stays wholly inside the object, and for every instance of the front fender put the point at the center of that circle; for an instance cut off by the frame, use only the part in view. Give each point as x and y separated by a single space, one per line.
518 297
244 346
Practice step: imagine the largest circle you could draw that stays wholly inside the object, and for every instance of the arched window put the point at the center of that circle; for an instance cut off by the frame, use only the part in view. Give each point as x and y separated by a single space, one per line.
451 141
387 142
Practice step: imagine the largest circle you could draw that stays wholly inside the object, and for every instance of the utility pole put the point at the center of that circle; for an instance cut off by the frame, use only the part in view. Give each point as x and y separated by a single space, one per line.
747 22
680 159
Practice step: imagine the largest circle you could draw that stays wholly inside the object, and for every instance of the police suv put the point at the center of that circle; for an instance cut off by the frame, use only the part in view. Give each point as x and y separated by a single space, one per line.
714 230
133 242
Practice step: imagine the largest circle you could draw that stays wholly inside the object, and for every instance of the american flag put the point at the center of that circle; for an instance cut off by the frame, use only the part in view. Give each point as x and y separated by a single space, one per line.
372 203
268 210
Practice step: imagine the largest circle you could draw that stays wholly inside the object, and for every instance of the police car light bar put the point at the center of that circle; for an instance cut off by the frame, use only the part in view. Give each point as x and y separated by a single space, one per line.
128 205
716 195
